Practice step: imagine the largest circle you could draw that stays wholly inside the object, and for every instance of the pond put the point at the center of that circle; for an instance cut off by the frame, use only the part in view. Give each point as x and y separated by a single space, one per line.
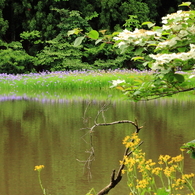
54 133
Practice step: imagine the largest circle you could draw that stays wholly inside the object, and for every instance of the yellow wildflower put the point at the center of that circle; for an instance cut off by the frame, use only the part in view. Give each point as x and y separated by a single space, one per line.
156 170
176 159
126 139
39 167
164 158
182 149
188 176
131 141
169 170
142 183
123 171
178 182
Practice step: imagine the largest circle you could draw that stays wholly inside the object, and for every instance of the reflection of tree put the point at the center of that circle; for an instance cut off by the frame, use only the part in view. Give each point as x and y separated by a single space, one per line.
115 176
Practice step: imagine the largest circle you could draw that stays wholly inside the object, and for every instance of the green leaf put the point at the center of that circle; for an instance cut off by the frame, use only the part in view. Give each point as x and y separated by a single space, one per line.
93 15
162 191
115 33
123 48
149 24
93 34
185 4
102 46
180 78
137 58
139 51
192 155
78 41
75 31
181 49
98 41
136 92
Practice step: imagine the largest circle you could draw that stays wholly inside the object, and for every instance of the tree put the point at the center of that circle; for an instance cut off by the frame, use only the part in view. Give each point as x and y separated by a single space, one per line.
3 22
166 50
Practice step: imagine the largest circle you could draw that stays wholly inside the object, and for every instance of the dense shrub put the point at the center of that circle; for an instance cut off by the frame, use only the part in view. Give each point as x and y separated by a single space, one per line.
14 59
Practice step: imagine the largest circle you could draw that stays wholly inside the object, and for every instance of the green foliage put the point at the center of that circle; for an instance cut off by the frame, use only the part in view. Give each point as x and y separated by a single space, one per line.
78 41
114 12
59 55
36 22
132 23
3 22
134 7
154 7
165 50
190 147
14 59
71 20
32 36
91 192
31 41
28 15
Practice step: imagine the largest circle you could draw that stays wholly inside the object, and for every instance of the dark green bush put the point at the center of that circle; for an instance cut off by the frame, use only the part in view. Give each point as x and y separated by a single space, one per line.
14 59
58 56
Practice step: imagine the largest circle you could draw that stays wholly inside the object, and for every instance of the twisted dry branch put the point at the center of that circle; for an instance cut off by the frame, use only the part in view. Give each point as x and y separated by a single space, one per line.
114 180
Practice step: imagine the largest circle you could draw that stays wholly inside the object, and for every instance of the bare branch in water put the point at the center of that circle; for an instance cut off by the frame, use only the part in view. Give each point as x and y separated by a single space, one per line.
115 177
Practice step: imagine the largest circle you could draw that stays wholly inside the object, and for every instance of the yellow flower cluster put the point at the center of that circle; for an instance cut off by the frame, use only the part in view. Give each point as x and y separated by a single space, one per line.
38 167
157 170
131 141
169 171
181 181
163 159
142 183
143 174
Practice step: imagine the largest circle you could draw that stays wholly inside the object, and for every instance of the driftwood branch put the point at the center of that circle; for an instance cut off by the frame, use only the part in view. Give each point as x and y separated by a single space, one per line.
115 180
135 124
115 177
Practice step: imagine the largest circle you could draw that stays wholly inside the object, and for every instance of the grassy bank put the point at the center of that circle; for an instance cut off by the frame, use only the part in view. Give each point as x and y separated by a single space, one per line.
68 84
66 80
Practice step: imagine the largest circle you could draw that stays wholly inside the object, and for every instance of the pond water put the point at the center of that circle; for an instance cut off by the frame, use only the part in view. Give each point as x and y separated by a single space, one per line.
55 134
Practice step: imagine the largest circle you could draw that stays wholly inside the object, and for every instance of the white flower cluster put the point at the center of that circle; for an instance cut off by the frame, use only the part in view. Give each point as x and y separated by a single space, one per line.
115 83
181 35
168 43
177 25
161 59
137 37
179 29
178 16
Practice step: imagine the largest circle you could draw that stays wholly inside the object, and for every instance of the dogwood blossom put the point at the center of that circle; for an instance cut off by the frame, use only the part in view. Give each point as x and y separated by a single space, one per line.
161 59
115 83
178 16
169 43
137 37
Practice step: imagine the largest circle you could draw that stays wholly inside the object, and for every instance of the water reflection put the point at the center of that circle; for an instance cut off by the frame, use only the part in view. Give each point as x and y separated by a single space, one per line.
49 132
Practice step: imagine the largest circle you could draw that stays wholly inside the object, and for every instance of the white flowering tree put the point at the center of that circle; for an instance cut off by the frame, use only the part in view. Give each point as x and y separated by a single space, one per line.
169 51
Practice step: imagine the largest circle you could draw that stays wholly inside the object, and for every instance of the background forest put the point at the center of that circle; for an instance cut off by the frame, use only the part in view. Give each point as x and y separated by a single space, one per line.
33 33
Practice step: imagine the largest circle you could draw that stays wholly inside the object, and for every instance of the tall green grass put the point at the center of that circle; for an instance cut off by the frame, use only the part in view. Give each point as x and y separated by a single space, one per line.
65 80
71 84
